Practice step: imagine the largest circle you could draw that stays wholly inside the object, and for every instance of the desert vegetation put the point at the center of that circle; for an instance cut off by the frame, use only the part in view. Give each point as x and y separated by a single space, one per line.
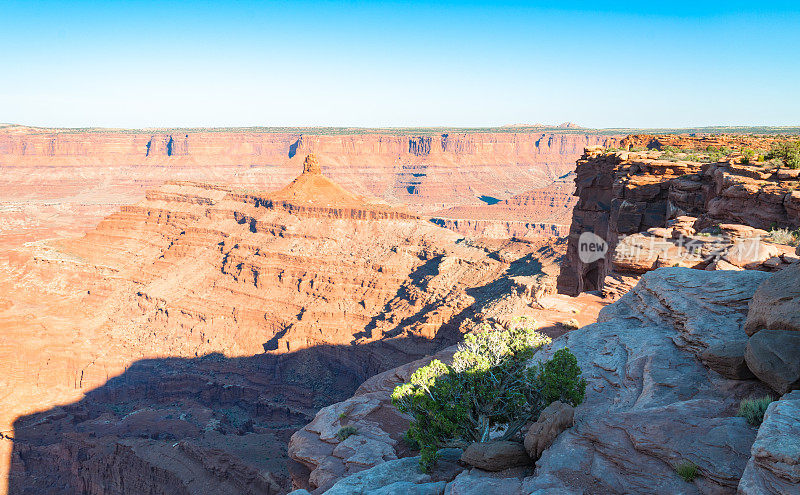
785 236
786 153
346 432
489 392
687 470
753 410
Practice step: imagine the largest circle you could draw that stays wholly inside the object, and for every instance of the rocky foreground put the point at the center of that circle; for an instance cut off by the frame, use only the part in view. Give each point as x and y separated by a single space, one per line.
662 391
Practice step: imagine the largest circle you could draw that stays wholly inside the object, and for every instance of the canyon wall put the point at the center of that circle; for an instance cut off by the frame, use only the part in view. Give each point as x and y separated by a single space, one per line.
541 212
61 182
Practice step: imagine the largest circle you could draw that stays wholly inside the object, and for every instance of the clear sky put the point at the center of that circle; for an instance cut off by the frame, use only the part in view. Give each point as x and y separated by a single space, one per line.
298 63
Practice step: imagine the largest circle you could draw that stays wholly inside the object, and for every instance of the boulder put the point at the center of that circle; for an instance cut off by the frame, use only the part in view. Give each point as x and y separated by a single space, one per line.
737 231
496 455
660 232
787 174
682 226
773 263
790 258
727 359
773 322
750 252
721 264
774 465
774 357
556 418
776 303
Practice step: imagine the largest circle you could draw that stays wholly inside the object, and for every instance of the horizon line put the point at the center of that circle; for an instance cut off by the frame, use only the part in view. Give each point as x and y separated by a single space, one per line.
712 129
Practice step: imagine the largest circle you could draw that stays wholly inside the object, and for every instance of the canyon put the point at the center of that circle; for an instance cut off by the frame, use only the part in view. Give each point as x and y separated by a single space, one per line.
194 311
704 320
61 182
219 316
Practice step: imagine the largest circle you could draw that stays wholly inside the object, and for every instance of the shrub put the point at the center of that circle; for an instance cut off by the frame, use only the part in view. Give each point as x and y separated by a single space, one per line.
342 416
687 470
410 442
489 387
753 409
345 432
787 152
785 236
747 155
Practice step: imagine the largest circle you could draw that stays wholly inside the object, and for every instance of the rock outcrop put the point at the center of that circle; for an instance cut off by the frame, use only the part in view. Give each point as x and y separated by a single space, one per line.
555 418
656 209
496 455
774 465
773 323
652 402
371 412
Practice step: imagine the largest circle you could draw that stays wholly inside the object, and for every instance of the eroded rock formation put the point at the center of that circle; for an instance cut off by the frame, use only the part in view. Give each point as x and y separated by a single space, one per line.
539 212
653 209
773 324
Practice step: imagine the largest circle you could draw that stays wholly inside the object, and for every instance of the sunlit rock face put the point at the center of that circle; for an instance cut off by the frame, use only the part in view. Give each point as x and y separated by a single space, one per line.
58 182
656 208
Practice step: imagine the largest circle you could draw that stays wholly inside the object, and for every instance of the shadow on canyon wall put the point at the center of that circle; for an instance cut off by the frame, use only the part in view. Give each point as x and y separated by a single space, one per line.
206 425
214 424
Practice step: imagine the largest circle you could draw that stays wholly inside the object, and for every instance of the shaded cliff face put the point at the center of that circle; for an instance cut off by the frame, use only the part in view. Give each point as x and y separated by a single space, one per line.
278 303
649 205
64 182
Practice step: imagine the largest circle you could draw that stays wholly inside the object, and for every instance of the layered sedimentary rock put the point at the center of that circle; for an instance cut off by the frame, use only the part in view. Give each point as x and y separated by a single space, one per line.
61 182
654 209
697 142
773 324
774 465
212 321
539 212
652 403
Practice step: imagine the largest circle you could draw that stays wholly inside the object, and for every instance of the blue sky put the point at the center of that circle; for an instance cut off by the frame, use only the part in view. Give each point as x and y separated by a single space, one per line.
240 63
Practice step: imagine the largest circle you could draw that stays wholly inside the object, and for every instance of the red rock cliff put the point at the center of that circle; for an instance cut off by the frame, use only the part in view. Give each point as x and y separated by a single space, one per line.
623 194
